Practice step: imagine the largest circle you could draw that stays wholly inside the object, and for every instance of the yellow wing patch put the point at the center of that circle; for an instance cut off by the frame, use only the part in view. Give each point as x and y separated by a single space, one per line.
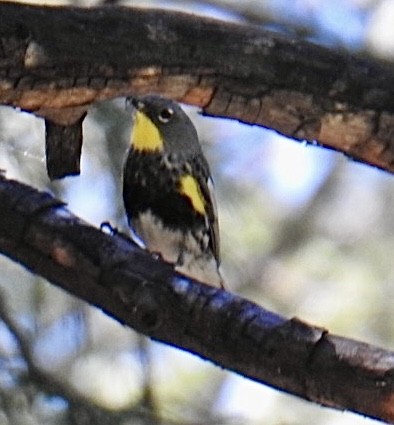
190 188
145 136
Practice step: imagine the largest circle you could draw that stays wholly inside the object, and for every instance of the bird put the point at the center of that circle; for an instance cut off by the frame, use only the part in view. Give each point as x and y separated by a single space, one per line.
168 191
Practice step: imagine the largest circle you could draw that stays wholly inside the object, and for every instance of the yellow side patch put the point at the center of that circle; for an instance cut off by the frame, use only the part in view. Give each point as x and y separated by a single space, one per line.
190 188
145 136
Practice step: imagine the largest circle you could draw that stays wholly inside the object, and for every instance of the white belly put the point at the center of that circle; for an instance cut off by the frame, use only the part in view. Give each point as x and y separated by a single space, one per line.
181 249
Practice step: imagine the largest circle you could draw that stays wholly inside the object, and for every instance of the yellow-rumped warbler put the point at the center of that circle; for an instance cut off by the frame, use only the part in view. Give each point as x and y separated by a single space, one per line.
168 192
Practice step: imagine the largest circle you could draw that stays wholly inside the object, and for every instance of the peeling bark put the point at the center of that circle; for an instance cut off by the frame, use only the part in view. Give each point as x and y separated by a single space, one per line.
63 148
64 57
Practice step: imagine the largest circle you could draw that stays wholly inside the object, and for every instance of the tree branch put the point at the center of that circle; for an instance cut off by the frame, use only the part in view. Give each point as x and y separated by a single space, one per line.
56 61
63 148
146 294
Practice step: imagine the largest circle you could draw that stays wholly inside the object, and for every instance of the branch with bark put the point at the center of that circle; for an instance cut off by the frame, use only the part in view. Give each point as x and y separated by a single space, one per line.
143 292
56 61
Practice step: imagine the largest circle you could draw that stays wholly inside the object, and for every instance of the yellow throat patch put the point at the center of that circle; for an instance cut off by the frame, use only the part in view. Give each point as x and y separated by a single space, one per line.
190 188
145 136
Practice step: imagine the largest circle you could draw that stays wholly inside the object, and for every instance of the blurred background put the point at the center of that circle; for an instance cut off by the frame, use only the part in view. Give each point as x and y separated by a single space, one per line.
305 232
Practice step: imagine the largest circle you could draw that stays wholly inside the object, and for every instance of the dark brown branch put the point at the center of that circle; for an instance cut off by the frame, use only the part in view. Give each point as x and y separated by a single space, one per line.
143 292
65 58
63 148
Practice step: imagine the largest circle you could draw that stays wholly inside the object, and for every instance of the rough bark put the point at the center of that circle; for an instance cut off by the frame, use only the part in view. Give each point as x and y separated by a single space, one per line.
56 61
63 148
146 294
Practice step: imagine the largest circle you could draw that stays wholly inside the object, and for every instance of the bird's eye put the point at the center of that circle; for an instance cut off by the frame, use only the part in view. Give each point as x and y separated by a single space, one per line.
165 115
